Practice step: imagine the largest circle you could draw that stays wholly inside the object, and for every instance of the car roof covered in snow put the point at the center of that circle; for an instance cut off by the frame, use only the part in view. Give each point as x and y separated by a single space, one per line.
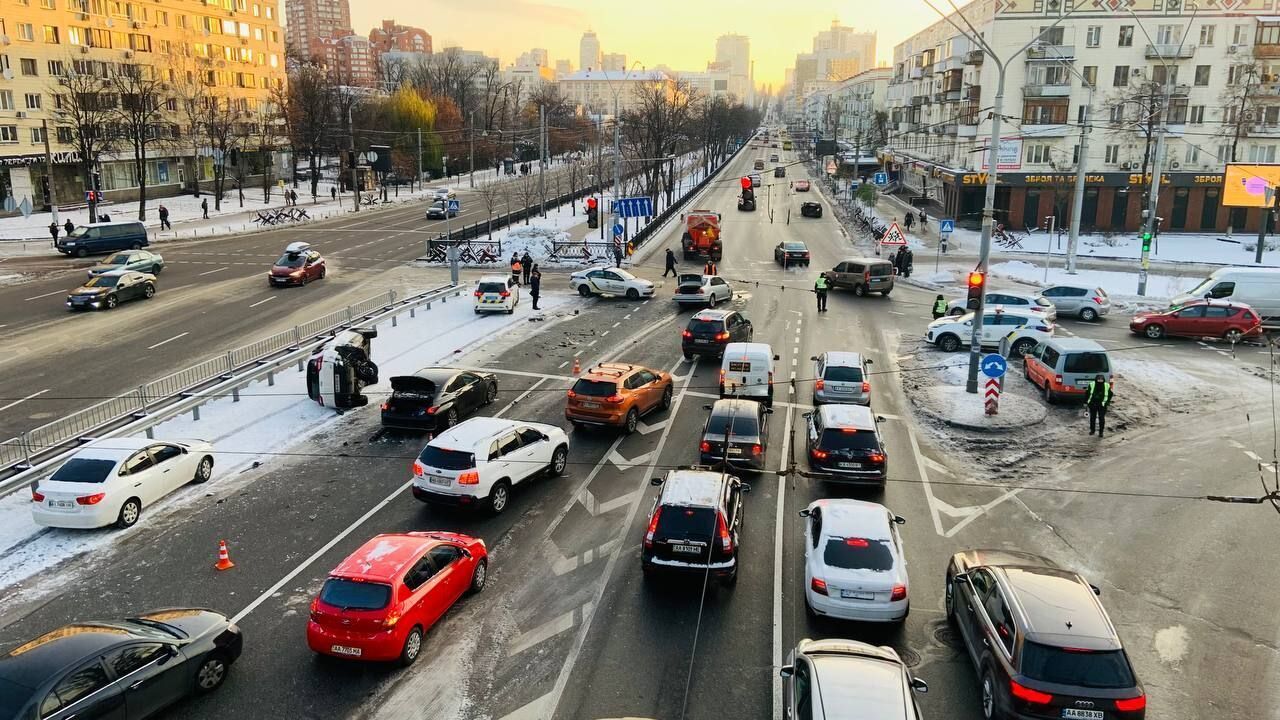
384 557
853 416
493 278
692 488
1076 344
845 518
469 435
842 358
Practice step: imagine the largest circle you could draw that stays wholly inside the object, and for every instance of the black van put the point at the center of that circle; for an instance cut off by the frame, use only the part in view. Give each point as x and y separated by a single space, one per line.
101 238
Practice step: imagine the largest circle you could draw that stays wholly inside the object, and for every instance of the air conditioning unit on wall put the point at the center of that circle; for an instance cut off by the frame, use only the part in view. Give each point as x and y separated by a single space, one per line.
1126 166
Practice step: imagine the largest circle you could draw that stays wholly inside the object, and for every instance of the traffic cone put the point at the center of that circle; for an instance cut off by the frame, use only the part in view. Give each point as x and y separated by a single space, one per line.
577 367
224 559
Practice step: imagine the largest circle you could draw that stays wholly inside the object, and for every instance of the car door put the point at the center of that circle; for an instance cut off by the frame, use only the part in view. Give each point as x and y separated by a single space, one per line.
839 274
471 391
452 578
647 388
150 675
141 478
615 283
1186 321
171 466
719 288
802 702
534 453
971 597
86 692
452 392
778 253
423 604
742 329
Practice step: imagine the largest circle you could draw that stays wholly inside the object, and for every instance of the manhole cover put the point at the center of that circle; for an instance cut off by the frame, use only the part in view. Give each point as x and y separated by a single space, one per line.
946 634
910 657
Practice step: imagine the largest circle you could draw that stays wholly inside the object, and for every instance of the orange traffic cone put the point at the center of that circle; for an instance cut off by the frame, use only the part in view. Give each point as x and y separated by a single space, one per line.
224 559
577 367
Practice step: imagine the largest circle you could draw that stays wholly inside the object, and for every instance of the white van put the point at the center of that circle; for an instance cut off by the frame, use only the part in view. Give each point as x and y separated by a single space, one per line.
1258 288
747 371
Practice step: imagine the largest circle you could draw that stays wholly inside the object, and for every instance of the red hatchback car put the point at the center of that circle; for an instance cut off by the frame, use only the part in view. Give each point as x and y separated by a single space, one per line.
298 265
1231 321
379 602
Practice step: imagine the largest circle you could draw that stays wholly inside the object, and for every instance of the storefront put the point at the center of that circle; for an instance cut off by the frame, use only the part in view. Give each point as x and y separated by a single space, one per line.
22 176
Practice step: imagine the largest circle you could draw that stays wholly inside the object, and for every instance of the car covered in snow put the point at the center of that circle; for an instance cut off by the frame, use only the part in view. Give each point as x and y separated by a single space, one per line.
695 289
610 281
855 567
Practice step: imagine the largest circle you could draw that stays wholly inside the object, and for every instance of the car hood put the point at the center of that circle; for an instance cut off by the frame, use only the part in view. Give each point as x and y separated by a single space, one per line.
282 270
90 291
195 622
103 267
1147 315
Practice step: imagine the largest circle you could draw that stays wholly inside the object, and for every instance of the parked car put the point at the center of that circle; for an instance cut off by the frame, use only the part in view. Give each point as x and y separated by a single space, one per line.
862 275
791 252
380 601
841 377
120 669
135 260
696 289
1084 301
746 371
299 265
1009 300
1021 340
710 331
843 445
103 237
694 525
617 394
848 680
736 433
811 209
496 293
1259 288
105 291
800 186
436 399
111 480
1040 640
476 462
1064 367
610 281
950 334
1226 319
439 210
855 566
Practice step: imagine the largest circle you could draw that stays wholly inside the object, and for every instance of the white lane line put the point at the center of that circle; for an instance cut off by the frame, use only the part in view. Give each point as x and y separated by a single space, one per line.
617 324
592 343
19 402
166 342
521 396
37 297
262 301
561 365
210 272
777 571
542 633
606 332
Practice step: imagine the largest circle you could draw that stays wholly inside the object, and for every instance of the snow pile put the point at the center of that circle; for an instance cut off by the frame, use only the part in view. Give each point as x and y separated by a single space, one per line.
1116 283
539 242
944 277
954 406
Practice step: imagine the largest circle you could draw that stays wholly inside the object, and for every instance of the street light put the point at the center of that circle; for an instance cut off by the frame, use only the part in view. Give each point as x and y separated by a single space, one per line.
617 144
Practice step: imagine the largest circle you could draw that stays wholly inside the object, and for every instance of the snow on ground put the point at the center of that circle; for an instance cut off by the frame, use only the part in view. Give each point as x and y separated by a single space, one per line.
1206 248
955 406
268 420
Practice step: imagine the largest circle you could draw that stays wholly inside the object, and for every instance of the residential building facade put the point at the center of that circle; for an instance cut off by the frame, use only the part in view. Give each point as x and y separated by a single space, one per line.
593 91
393 37
310 21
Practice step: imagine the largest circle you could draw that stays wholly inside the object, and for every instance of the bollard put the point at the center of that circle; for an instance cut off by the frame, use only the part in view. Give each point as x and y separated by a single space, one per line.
142 398
393 321
195 413
271 378
413 312
235 394
151 434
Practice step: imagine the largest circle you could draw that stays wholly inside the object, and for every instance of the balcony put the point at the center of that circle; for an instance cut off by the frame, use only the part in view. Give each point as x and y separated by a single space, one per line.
916 74
973 92
927 69
950 129
1053 53
974 57
1264 131
1266 51
952 95
1169 51
1054 90
920 99
965 130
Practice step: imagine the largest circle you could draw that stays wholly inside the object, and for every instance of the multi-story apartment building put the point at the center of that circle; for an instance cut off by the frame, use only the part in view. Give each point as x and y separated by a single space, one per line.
594 91
233 48
393 37
614 62
733 54
858 100
313 20
1218 63
589 52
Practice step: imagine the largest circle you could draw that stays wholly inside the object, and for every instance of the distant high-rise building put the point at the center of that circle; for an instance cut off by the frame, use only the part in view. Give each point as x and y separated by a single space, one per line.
614 61
563 67
589 52
841 44
734 53
402 38
537 57
309 21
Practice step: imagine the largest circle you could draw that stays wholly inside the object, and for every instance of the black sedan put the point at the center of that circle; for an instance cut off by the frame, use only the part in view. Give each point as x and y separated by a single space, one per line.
128 669
435 399
811 209
109 289
791 253
735 433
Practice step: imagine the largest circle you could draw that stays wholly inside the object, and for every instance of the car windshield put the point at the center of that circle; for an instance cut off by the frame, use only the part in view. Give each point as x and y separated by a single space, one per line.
706 326
79 232
682 521
352 595
118 259
838 373
103 281
84 470
492 287
1203 288
443 459
594 388
1082 668
795 245
291 260
849 439
743 425
1086 362
855 553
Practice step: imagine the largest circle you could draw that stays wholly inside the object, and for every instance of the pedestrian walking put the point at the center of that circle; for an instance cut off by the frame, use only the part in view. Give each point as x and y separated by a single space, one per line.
535 285
1098 400
164 219
924 220
293 197
204 208
333 193
939 307
893 260
53 230
526 265
908 221
671 264
515 268
68 226
820 287
908 262
617 254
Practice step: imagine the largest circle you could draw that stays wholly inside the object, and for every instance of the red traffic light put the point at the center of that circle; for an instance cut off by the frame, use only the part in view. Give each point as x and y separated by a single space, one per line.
746 183
976 278
591 203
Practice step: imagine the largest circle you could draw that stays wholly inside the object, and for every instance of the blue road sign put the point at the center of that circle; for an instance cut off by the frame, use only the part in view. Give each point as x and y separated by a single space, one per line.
633 207
880 178
617 230
455 205
993 365
947 226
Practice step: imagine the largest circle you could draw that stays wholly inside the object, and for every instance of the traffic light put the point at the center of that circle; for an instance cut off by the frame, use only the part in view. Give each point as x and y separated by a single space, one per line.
977 283
746 183
593 214
1146 242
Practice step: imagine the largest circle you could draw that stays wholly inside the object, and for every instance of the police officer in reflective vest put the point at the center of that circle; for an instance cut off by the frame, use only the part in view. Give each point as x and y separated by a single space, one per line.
820 287
1098 400
939 307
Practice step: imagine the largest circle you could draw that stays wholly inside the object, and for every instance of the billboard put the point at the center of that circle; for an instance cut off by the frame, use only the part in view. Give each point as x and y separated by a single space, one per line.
1008 154
1250 185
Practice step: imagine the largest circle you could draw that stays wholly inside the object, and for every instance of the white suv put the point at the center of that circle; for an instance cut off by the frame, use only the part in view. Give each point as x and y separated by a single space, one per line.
476 462
497 293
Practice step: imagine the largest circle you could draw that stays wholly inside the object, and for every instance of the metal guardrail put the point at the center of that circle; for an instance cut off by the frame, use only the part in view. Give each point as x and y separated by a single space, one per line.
186 390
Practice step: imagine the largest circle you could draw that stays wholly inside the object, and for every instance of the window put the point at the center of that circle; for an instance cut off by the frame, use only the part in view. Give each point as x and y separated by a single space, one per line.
1206 35
1090 75
28 66
1093 36
997 612
162 453
75 687
1193 153
33 101
1240 34
1239 74
1202 75
1268 33
64 135
1164 74
1262 153
6 100
1075 153
1044 112
37 136
48 4
1168 34
1126 36
1121 77
162 17
139 462
1196 116
1037 154
26 31
1113 154
442 555
56 68
802 689
135 657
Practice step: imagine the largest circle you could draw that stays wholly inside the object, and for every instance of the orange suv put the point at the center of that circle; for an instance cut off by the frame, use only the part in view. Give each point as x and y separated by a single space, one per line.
617 394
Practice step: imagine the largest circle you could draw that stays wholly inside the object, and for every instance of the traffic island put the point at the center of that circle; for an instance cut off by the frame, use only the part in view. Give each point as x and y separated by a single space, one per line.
953 407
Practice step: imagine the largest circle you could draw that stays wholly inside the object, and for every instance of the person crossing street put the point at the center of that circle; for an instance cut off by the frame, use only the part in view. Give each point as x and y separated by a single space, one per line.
671 264
820 287
939 307
1098 400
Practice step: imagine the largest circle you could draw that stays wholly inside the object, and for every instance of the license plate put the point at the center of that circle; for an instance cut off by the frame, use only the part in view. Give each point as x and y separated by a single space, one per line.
1082 383
61 504
701 341
344 650
850 466
591 405
1083 714
855 595
735 451
839 389
438 480
686 549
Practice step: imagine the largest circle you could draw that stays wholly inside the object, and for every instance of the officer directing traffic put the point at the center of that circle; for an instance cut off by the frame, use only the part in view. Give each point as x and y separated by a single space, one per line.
939 307
1098 400
820 287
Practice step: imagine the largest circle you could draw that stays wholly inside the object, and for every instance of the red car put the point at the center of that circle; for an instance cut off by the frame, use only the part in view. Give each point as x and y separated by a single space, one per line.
298 265
1231 321
801 185
379 602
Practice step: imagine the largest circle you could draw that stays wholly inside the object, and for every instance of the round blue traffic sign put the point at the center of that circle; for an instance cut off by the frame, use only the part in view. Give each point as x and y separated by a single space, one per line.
617 229
993 365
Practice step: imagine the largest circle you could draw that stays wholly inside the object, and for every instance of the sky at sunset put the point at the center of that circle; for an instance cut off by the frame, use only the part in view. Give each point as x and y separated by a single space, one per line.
677 33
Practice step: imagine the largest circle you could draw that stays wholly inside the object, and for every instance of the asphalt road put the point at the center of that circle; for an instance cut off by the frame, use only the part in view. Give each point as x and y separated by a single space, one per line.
568 629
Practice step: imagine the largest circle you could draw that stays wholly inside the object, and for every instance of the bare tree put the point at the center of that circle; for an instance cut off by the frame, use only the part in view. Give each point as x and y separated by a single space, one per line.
139 117
307 106
491 194
221 123
85 108
1240 106
657 127
575 175
526 191
267 127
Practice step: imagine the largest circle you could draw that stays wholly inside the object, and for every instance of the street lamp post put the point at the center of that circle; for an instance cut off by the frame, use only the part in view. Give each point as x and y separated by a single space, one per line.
615 216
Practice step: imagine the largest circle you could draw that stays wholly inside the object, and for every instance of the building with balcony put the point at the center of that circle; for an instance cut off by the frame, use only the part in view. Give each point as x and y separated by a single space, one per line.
1213 64
594 91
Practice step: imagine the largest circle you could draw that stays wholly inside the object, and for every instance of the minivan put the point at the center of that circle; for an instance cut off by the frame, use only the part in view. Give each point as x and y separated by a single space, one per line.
1257 287
1064 367
101 238
746 371
862 275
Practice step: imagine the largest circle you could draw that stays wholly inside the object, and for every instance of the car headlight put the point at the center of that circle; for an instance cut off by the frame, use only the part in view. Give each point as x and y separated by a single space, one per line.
295 273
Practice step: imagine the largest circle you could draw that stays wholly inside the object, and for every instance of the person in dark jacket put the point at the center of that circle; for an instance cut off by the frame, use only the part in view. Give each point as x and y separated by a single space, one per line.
164 219
908 221
526 266
53 230
907 258
535 285
204 208
333 193
1098 400
68 226
820 287
939 307
671 264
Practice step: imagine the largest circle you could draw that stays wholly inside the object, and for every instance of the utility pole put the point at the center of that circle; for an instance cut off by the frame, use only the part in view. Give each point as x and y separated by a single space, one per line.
419 156
1262 225
542 159
53 192
1073 237
355 174
471 161
1153 194
617 164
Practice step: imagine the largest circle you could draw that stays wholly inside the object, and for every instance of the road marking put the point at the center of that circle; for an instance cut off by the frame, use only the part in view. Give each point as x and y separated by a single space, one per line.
166 342
37 297
262 301
618 323
563 566
777 571
566 362
545 631
606 332
19 402
521 396
210 272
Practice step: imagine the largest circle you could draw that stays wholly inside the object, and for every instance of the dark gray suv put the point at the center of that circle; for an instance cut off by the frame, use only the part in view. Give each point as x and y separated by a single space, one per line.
847 680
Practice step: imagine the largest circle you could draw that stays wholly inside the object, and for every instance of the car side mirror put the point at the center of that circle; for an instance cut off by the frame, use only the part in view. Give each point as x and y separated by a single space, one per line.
919 685
465 552
881 418
899 520
744 487
804 513
655 481
1096 590
871 362
787 671
706 407
813 358
768 411
777 357
807 415
960 577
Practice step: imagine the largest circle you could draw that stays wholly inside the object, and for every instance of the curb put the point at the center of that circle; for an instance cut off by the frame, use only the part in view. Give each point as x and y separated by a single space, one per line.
1012 426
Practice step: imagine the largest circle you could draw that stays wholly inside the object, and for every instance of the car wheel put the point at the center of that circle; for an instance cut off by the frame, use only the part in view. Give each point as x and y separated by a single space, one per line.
323 271
412 647
149 291
732 579
665 404
129 513
1022 347
1049 395
1088 314
204 470
305 279
584 291
1233 336
860 290
451 418
956 312
491 394
633 294
687 356
136 246
559 461
211 672
155 269
499 497
948 343
633 418
511 310
886 292
112 301
712 301
479 576
81 252
1155 332
988 696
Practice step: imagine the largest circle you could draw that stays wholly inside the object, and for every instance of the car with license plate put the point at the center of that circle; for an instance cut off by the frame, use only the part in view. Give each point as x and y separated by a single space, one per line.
791 252
143 261
440 210
476 463
758 164
780 171
736 434
694 526
299 265
617 394
1041 642
843 445
755 180
696 289
1086 302
811 209
862 275
496 293
1009 300
435 399
836 679
119 669
610 281
1224 319
855 564
1064 367
841 377
379 603
106 291
800 186
950 334
112 480
709 331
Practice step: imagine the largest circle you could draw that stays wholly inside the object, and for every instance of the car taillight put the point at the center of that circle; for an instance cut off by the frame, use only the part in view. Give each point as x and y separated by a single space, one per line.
418 468
470 477
614 398
479 294
899 593
818 454
756 449
572 394
93 499
722 377
315 609
771 377
36 495
877 457
819 384
1132 704
866 386
391 620
686 334
653 527
505 294
722 529
818 585
705 446
1057 379
722 336
432 410
866 277
386 406
1097 300
1026 694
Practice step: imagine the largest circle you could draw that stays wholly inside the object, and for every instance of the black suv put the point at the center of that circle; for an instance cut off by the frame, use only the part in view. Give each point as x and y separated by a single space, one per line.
1041 642
844 446
743 426
811 209
694 525
710 330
